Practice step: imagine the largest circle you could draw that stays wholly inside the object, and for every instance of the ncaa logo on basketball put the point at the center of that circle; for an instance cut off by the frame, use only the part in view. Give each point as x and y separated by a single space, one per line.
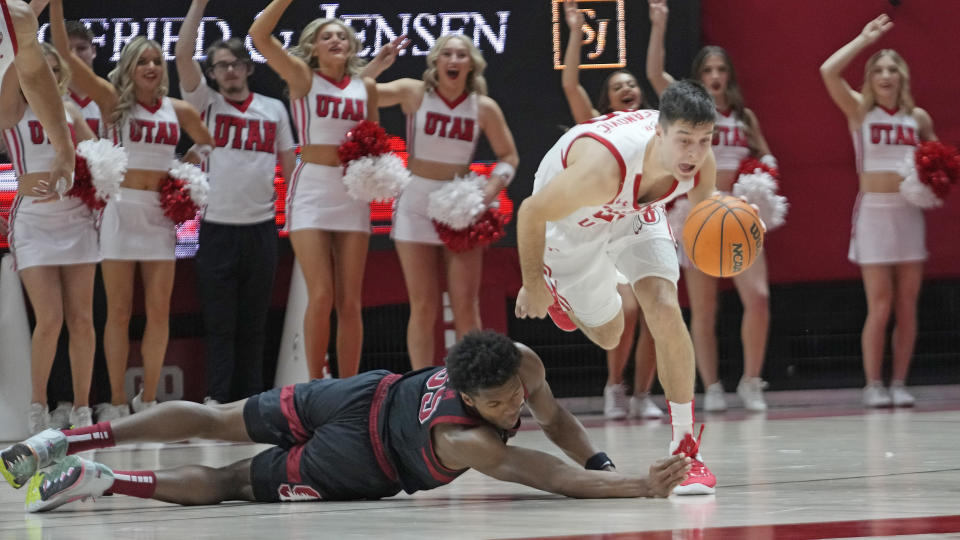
737 256
604 34
297 492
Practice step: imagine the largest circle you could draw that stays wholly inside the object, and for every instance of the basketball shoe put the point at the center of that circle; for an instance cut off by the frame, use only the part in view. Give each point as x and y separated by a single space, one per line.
22 460
72 479
700 481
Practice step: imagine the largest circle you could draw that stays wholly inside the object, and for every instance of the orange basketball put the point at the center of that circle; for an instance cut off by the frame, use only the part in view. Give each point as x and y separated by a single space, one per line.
722 236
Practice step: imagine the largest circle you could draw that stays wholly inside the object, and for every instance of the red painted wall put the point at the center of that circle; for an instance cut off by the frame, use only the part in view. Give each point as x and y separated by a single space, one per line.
777 48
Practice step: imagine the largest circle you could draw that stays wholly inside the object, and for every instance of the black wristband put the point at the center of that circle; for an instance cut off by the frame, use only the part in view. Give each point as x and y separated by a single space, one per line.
598 462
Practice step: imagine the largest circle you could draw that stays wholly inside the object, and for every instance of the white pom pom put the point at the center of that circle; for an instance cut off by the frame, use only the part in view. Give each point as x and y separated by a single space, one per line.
677 215
107 164
194 178
760 189
376 178
458 203
913 190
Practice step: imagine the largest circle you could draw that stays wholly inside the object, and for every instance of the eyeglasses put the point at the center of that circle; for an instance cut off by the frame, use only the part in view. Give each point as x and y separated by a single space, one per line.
236 65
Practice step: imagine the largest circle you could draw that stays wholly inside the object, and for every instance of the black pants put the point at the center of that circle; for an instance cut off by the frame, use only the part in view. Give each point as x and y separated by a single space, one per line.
235 269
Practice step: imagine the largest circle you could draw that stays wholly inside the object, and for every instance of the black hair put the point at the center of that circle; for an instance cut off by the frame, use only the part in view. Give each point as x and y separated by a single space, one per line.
687 101
603 100
77 29
482 359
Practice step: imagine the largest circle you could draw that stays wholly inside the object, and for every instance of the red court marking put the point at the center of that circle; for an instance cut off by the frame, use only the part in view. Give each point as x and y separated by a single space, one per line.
791 531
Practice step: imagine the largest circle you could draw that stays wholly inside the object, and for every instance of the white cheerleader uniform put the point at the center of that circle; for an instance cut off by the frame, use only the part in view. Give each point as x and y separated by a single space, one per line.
886 228
133 226
57 233
440 131
317 198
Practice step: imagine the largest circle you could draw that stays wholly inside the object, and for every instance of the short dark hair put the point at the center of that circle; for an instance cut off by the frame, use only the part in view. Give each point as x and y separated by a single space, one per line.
234 45
687 101
77 29
482 359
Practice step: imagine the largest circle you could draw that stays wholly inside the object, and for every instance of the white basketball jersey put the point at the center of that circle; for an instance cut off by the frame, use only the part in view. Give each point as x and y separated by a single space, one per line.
241 170
150 136
626 135
8 39
730 144
28 145
884 140
442 130
329 110
90 111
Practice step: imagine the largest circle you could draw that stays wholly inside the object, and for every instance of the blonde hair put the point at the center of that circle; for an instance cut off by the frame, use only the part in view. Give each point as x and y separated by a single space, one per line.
63 76
905 99
122 77
304 48
475 81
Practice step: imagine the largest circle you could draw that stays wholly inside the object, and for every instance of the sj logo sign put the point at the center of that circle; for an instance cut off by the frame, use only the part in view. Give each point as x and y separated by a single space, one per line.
604 34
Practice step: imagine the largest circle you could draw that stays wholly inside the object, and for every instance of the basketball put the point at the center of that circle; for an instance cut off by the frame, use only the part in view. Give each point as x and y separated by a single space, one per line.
722 236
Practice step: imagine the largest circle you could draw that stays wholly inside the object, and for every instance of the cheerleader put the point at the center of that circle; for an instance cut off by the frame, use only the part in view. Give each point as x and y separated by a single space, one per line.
446 112
138 115
620 91
737 135
329 230
888 238
54 245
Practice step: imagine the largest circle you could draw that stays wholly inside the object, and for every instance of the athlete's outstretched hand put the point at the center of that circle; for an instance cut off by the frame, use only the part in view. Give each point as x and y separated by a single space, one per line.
573 16
667 474
533 301
389 52
876 28
658 12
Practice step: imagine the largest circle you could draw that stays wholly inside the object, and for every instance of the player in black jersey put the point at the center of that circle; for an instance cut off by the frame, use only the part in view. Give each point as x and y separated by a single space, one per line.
364 437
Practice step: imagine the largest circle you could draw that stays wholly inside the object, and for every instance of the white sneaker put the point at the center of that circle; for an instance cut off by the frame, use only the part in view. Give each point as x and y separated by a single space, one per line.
107 412
713 398
139 405
81 417
60 417
875 395
210 401
73 478
900 396
750 391
641 406
615 402
38 417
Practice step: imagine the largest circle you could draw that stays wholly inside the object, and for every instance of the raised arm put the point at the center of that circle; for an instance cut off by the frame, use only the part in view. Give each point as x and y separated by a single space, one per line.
385 57
40 90
482 449
497 131
37 6
656 49
291 69
848 99
81 74
577 99
591 178
189 71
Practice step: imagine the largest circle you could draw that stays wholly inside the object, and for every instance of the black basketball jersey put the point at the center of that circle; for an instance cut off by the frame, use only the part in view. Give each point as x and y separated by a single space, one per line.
416 403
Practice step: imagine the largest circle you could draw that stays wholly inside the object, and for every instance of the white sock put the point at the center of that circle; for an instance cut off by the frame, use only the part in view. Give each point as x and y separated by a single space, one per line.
681 417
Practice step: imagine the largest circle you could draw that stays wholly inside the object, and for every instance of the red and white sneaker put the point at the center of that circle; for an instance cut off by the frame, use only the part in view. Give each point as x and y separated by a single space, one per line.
700 481
560 317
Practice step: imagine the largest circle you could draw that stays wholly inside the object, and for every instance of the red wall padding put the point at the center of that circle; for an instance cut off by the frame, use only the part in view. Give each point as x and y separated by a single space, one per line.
777 48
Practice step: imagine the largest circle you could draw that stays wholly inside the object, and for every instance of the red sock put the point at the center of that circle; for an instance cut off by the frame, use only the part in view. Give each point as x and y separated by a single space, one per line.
134 483
99 435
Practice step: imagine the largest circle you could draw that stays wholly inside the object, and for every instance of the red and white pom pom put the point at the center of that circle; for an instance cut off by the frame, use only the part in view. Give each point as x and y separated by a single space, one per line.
376 178
758 182
929 173
370 171
100 168
183 193
677 215
760 189
461 219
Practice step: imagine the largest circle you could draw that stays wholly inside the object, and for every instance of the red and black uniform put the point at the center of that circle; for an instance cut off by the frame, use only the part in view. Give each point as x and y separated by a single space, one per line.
364 437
